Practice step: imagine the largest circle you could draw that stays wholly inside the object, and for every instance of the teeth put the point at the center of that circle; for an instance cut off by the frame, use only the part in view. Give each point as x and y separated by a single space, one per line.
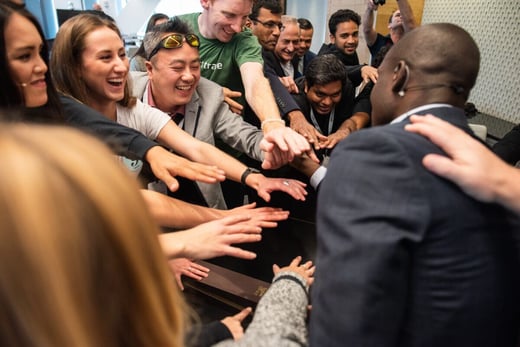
183 87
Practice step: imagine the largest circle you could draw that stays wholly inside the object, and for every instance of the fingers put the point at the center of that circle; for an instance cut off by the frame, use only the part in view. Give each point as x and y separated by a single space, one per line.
312 156
201 172
296 261
179 281
240 253
234 106
440 165
240 316
169 180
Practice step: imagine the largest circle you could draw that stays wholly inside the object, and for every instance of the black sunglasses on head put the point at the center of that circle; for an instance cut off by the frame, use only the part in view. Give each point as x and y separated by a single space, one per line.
175 41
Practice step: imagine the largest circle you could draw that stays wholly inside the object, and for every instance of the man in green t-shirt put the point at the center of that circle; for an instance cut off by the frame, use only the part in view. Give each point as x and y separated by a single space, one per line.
232 58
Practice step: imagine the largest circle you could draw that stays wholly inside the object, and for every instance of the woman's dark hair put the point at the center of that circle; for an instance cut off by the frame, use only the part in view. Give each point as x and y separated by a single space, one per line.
151 23
10 95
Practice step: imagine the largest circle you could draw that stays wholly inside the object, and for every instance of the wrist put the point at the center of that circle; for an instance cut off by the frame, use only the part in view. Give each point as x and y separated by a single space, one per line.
245 175
271 123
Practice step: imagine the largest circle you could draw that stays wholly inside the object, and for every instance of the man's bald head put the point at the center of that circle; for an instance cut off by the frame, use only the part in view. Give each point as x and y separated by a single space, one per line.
434 63
443 51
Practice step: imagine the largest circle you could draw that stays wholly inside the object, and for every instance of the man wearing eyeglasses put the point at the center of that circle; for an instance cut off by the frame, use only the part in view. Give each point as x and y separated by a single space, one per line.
232 58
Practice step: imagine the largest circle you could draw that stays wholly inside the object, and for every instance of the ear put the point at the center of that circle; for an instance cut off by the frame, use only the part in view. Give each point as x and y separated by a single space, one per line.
332 38
149 69
205 4
400 78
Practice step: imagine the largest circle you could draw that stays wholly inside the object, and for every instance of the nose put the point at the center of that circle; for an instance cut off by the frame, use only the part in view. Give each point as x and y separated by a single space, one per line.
187 75
326 101
237 25
121 64
40 66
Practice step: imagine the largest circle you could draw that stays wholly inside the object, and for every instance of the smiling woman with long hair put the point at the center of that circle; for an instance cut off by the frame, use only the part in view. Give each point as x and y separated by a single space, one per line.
79 256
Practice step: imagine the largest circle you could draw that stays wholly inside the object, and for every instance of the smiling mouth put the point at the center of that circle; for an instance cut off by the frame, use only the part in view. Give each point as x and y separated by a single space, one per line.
184 88
116 83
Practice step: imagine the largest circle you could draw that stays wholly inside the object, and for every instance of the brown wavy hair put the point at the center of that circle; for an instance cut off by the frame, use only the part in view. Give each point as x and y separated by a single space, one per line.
80 259
67 51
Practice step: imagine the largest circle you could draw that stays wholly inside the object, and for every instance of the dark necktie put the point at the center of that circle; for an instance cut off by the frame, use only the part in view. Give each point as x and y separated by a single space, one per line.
177 118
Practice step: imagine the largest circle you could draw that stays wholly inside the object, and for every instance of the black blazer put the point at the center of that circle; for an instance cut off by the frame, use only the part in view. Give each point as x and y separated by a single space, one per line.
405 258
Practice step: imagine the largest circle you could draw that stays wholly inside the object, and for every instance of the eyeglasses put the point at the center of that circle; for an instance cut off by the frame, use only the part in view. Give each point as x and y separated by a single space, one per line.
270 24
175 41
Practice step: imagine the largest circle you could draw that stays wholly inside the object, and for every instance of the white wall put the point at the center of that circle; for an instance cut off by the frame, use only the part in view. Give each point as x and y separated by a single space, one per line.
495 26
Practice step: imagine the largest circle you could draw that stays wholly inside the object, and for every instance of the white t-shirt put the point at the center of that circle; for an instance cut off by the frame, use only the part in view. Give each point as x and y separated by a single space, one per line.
145 119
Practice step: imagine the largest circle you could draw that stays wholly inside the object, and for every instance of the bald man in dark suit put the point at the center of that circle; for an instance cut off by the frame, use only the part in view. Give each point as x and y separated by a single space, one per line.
406 258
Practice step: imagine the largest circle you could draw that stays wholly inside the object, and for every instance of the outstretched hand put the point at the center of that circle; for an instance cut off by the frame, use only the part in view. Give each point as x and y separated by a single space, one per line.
185 267
234 323
281 145
264 217
306 270
212 239
166 165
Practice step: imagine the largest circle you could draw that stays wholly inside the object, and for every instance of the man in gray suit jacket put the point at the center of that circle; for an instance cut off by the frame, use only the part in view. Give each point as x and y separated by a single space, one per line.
205 115
406 258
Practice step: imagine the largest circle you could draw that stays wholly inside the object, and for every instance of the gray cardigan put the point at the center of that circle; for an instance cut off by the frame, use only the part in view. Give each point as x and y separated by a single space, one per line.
208 118
279 319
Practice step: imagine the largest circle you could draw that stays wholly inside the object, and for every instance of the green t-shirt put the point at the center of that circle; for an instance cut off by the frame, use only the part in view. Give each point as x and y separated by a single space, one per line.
221 61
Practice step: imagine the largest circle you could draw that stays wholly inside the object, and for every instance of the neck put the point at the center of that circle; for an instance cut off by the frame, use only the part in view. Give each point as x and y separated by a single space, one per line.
108 109
204 30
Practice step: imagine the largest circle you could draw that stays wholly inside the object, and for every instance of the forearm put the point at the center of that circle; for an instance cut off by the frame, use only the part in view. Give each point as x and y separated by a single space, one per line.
354 123
406 15
368 26
261 99
177 214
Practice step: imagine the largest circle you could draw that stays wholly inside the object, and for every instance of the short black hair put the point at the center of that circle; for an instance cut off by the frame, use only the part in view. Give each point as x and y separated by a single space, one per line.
341 16
305 24
153 37
325 69
272 5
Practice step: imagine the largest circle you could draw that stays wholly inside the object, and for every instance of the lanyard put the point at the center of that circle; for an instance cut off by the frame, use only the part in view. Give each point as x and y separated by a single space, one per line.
317 126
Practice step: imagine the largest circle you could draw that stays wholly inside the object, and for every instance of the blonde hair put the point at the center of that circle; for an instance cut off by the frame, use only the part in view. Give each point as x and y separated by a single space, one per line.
80 261
67 50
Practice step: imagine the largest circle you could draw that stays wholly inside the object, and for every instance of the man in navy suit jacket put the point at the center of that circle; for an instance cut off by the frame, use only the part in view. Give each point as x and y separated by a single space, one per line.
406 258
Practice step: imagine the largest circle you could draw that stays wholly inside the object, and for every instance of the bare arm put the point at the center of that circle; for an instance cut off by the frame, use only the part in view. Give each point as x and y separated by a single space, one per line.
407 16
472 166
202 152
368 23
261 99
354 123
174 213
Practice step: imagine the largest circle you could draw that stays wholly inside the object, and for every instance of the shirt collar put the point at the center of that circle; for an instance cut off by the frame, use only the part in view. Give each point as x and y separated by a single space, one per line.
417 110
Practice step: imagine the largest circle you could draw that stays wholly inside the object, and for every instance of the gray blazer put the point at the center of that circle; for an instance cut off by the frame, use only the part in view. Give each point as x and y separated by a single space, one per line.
209 118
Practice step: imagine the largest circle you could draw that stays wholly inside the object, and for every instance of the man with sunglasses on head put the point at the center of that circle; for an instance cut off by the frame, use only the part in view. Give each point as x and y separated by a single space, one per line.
232 58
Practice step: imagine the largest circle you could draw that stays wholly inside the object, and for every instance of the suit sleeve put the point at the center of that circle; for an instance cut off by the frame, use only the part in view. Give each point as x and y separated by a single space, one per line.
371 211
123 140
283 98
509 147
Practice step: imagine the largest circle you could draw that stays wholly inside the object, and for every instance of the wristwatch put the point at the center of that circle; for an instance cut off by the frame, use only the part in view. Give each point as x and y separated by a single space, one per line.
246 173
